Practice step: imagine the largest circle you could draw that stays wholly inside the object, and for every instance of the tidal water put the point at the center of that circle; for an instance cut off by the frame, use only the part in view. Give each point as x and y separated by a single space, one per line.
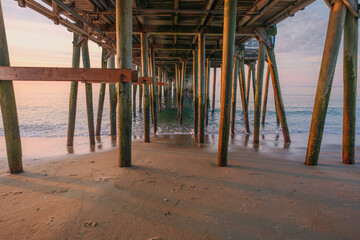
43 112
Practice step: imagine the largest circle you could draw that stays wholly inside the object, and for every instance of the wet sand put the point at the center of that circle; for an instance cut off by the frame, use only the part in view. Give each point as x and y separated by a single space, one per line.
176 191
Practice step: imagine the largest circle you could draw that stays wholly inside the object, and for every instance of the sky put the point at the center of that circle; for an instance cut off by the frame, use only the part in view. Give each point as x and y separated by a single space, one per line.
34 40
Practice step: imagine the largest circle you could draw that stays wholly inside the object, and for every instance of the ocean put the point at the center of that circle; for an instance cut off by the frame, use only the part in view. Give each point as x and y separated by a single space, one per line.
43 116
43 111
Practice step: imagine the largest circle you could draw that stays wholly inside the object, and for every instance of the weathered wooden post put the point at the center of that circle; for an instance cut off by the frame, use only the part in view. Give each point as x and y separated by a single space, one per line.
265 96
248 86
195 90
242 85
154 90
101 96
151 88
140 97
214 88
73 94
226 77
177 84
134 87
201 79
134 99
8 108
88 91
277 94
233 98
258 91
182 86
145 73
112 99
253 77
160 76
124 60
327 69
207 83
350 87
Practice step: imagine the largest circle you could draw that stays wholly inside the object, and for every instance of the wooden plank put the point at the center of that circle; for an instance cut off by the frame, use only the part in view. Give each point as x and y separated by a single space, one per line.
90 75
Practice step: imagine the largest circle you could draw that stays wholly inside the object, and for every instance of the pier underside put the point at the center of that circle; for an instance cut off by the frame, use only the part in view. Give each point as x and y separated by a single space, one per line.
167 49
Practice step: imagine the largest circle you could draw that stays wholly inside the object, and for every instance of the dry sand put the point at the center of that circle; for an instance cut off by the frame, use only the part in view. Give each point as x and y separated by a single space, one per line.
175 191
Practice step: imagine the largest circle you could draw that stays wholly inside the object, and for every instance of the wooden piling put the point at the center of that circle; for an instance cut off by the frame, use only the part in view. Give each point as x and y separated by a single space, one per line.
213 91
154 90
159 92
327 69
248 87
112 99
233 95
151 89
207 83
277 94
253 80
101 96
88 91
140 98
350 87
8 109
124 60
265 96
242 85
145 73
226 77
258 91
177 84
73 94
201 85
195 90
182 87
134 88
134 99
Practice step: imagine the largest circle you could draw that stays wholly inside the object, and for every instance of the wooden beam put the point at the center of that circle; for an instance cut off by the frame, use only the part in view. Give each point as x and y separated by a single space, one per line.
353 7
264 36
178 30
90 75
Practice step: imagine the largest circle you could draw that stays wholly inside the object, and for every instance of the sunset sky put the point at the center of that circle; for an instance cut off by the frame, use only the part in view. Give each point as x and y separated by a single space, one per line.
35 41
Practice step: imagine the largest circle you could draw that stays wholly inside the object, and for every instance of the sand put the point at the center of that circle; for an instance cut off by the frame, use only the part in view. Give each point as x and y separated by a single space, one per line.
176 191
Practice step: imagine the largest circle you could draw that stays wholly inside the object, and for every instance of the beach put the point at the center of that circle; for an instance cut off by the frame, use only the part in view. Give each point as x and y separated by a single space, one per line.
174 190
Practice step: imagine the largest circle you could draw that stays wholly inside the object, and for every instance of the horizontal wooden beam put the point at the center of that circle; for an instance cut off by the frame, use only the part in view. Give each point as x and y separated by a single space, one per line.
156 12
178 47
264 36
90 75
177 30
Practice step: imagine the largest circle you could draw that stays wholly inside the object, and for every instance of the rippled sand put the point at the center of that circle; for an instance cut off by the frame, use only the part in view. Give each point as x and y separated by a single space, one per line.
176 191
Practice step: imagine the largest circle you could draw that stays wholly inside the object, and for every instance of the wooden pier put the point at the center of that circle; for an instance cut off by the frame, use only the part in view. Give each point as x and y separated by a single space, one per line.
176 43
